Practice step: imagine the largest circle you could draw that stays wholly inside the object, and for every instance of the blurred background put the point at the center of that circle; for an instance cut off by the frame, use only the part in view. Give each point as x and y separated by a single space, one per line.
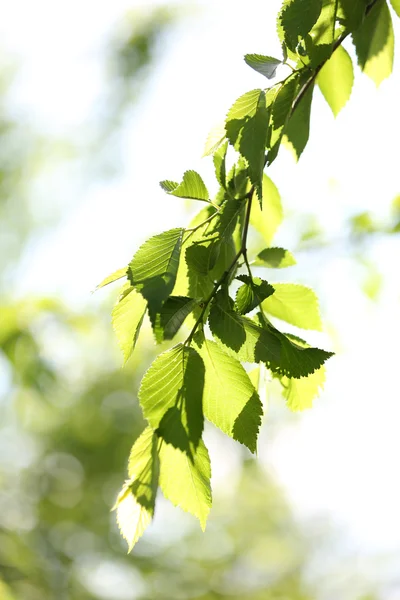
98 103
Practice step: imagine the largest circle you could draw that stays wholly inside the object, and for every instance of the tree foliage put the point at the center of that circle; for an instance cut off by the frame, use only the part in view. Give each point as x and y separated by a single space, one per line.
203 276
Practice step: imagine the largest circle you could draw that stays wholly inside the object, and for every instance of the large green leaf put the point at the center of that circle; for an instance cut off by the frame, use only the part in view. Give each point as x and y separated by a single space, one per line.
171 396
251 293
247 129
280 113
275 258
127 318
246 340
298 128
113 277
153 269
300 393
295 304
167 322
267 219
374 43
185 481
266 65
229 398
296 19
136 501
335 79
192 187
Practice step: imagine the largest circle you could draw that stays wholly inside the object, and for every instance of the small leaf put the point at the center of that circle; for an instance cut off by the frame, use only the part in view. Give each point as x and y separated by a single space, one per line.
374 43
173 313
266 65
214 139
275 258
127 318
170 395
113 277
295 304
153 269
280 113
335 80
252 293
244 107
186 481
298 128
300 393
219 159
229 398
192 187
267 219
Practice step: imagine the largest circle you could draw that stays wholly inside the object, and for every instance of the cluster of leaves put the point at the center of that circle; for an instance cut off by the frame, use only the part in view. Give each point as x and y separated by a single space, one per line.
188 275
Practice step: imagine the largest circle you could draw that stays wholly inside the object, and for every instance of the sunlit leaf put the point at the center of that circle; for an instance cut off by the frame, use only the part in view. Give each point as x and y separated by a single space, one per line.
153 269
267 219
229 398
296 18
127 317
275 258
295 304
132 518
251 293
192 187
300 393
214 139
335 79
185 480
167 322
113 277
298 128
374 43
171 396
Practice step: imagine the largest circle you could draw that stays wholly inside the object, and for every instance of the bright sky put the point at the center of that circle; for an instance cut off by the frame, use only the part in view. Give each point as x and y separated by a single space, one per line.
340 459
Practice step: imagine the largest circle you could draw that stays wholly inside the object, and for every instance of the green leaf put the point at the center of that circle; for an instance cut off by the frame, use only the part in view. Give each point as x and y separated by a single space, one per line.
351 13
202 255
136 501
300 393
113 277
267 219
247 129
252 293
171 396
280 113
396 6
153 269
219 159
229 398
214 139
266 65
374 43
296 19
295 304
335 80
185 481
127 318
275 258
173 313
298 128
192 187
246 340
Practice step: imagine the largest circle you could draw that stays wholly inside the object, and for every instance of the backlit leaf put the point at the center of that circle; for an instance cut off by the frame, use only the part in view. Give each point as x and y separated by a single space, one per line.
153 269
185 481
296 18
298 128
300 393
127 318
335 79
167 322
214 139
229 398
251 293
113 277
374 43
171 396
132 518
192 187
267 219
275 258
295 304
